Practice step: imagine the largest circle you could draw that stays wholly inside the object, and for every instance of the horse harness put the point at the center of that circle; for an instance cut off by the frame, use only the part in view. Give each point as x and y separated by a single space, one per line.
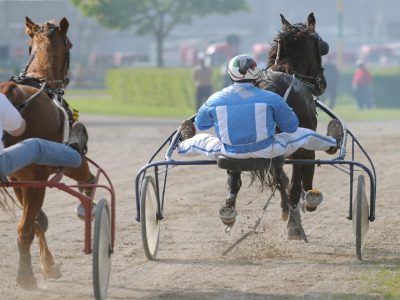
56 94
271 80
315 81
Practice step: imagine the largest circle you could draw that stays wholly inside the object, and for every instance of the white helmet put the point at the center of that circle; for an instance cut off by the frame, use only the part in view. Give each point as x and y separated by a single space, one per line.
243 68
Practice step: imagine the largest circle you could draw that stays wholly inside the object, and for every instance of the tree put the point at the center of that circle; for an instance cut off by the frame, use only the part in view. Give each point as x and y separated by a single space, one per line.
157 17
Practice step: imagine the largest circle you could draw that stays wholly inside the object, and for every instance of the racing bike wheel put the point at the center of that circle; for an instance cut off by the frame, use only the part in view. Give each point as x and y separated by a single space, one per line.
102 250
149 220
360 216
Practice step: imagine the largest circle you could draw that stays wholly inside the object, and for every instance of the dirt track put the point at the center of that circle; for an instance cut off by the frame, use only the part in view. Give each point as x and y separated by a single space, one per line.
191 263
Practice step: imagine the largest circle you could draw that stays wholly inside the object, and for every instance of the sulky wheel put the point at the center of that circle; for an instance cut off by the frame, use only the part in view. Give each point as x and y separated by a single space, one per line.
150 223
360 216
102 250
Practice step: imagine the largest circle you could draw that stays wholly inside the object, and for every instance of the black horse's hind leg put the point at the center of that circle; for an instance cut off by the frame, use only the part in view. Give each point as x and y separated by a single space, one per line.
284 181
228 212
312 197
295 229
295 189
234 185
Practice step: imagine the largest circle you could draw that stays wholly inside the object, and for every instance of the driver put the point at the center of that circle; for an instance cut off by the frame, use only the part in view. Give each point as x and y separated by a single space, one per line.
245 119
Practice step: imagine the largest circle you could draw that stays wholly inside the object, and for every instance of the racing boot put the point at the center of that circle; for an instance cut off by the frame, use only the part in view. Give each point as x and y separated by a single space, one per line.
187 130
78 138
335 130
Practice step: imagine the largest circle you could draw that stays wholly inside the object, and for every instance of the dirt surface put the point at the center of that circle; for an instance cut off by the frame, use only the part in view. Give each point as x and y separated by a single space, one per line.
196 258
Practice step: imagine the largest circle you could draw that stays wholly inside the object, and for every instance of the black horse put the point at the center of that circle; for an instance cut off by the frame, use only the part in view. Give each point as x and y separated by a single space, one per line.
294 69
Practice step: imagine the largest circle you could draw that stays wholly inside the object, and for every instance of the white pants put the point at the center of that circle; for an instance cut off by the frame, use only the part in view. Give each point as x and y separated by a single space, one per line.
284 144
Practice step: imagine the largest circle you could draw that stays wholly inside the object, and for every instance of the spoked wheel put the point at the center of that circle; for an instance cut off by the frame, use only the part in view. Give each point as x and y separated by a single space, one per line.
102 250
360 216
150 223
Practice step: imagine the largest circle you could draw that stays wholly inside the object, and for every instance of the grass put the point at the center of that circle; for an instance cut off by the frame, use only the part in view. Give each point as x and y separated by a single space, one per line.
99 102
350 112
108 107
386 282
347 110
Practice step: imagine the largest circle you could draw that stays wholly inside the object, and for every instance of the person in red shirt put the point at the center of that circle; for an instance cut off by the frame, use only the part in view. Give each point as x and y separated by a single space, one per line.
361 83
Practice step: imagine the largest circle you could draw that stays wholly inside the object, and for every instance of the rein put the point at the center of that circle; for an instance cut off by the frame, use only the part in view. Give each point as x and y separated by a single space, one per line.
38 84
311 81
314 81
21 107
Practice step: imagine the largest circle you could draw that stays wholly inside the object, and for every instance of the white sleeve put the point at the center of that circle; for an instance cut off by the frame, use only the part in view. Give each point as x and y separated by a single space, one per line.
10 118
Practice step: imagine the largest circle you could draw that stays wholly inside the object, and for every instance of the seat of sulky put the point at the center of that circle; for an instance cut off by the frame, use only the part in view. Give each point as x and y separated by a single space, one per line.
249 164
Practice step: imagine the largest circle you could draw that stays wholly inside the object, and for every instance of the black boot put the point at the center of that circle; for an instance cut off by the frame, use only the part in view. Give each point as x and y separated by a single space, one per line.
78 138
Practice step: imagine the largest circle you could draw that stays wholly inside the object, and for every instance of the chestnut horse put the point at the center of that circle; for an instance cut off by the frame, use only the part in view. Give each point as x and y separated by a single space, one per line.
295 60
32 93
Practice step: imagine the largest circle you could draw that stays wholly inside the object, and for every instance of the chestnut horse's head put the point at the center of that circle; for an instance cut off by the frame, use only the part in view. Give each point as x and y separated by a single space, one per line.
49 51
297 49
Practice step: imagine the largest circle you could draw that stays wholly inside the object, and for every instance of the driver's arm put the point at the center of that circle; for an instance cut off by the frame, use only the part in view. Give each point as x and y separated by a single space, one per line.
20 130
10 118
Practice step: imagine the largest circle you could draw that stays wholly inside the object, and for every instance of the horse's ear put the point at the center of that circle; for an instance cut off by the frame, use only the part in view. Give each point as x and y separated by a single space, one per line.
30 27
64 26
285 23
311 22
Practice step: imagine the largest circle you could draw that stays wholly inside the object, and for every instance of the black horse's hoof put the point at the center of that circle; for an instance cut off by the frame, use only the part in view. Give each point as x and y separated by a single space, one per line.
313 198
294 234
228 215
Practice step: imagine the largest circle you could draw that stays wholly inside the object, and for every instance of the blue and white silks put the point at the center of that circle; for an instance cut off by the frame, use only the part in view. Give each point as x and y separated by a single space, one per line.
245 118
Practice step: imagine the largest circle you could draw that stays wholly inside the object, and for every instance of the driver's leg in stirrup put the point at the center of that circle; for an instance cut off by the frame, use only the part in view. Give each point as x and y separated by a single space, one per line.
335 130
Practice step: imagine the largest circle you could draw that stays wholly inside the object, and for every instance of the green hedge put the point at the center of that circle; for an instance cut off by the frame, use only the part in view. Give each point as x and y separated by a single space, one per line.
151 86
174 87
385 87
162 87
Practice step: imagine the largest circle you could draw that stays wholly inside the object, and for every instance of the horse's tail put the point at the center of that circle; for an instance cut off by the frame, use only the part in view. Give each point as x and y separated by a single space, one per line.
7 202
263 178
268 178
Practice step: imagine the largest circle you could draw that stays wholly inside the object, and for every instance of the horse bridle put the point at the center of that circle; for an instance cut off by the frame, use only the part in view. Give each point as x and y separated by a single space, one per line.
32 55
314 82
